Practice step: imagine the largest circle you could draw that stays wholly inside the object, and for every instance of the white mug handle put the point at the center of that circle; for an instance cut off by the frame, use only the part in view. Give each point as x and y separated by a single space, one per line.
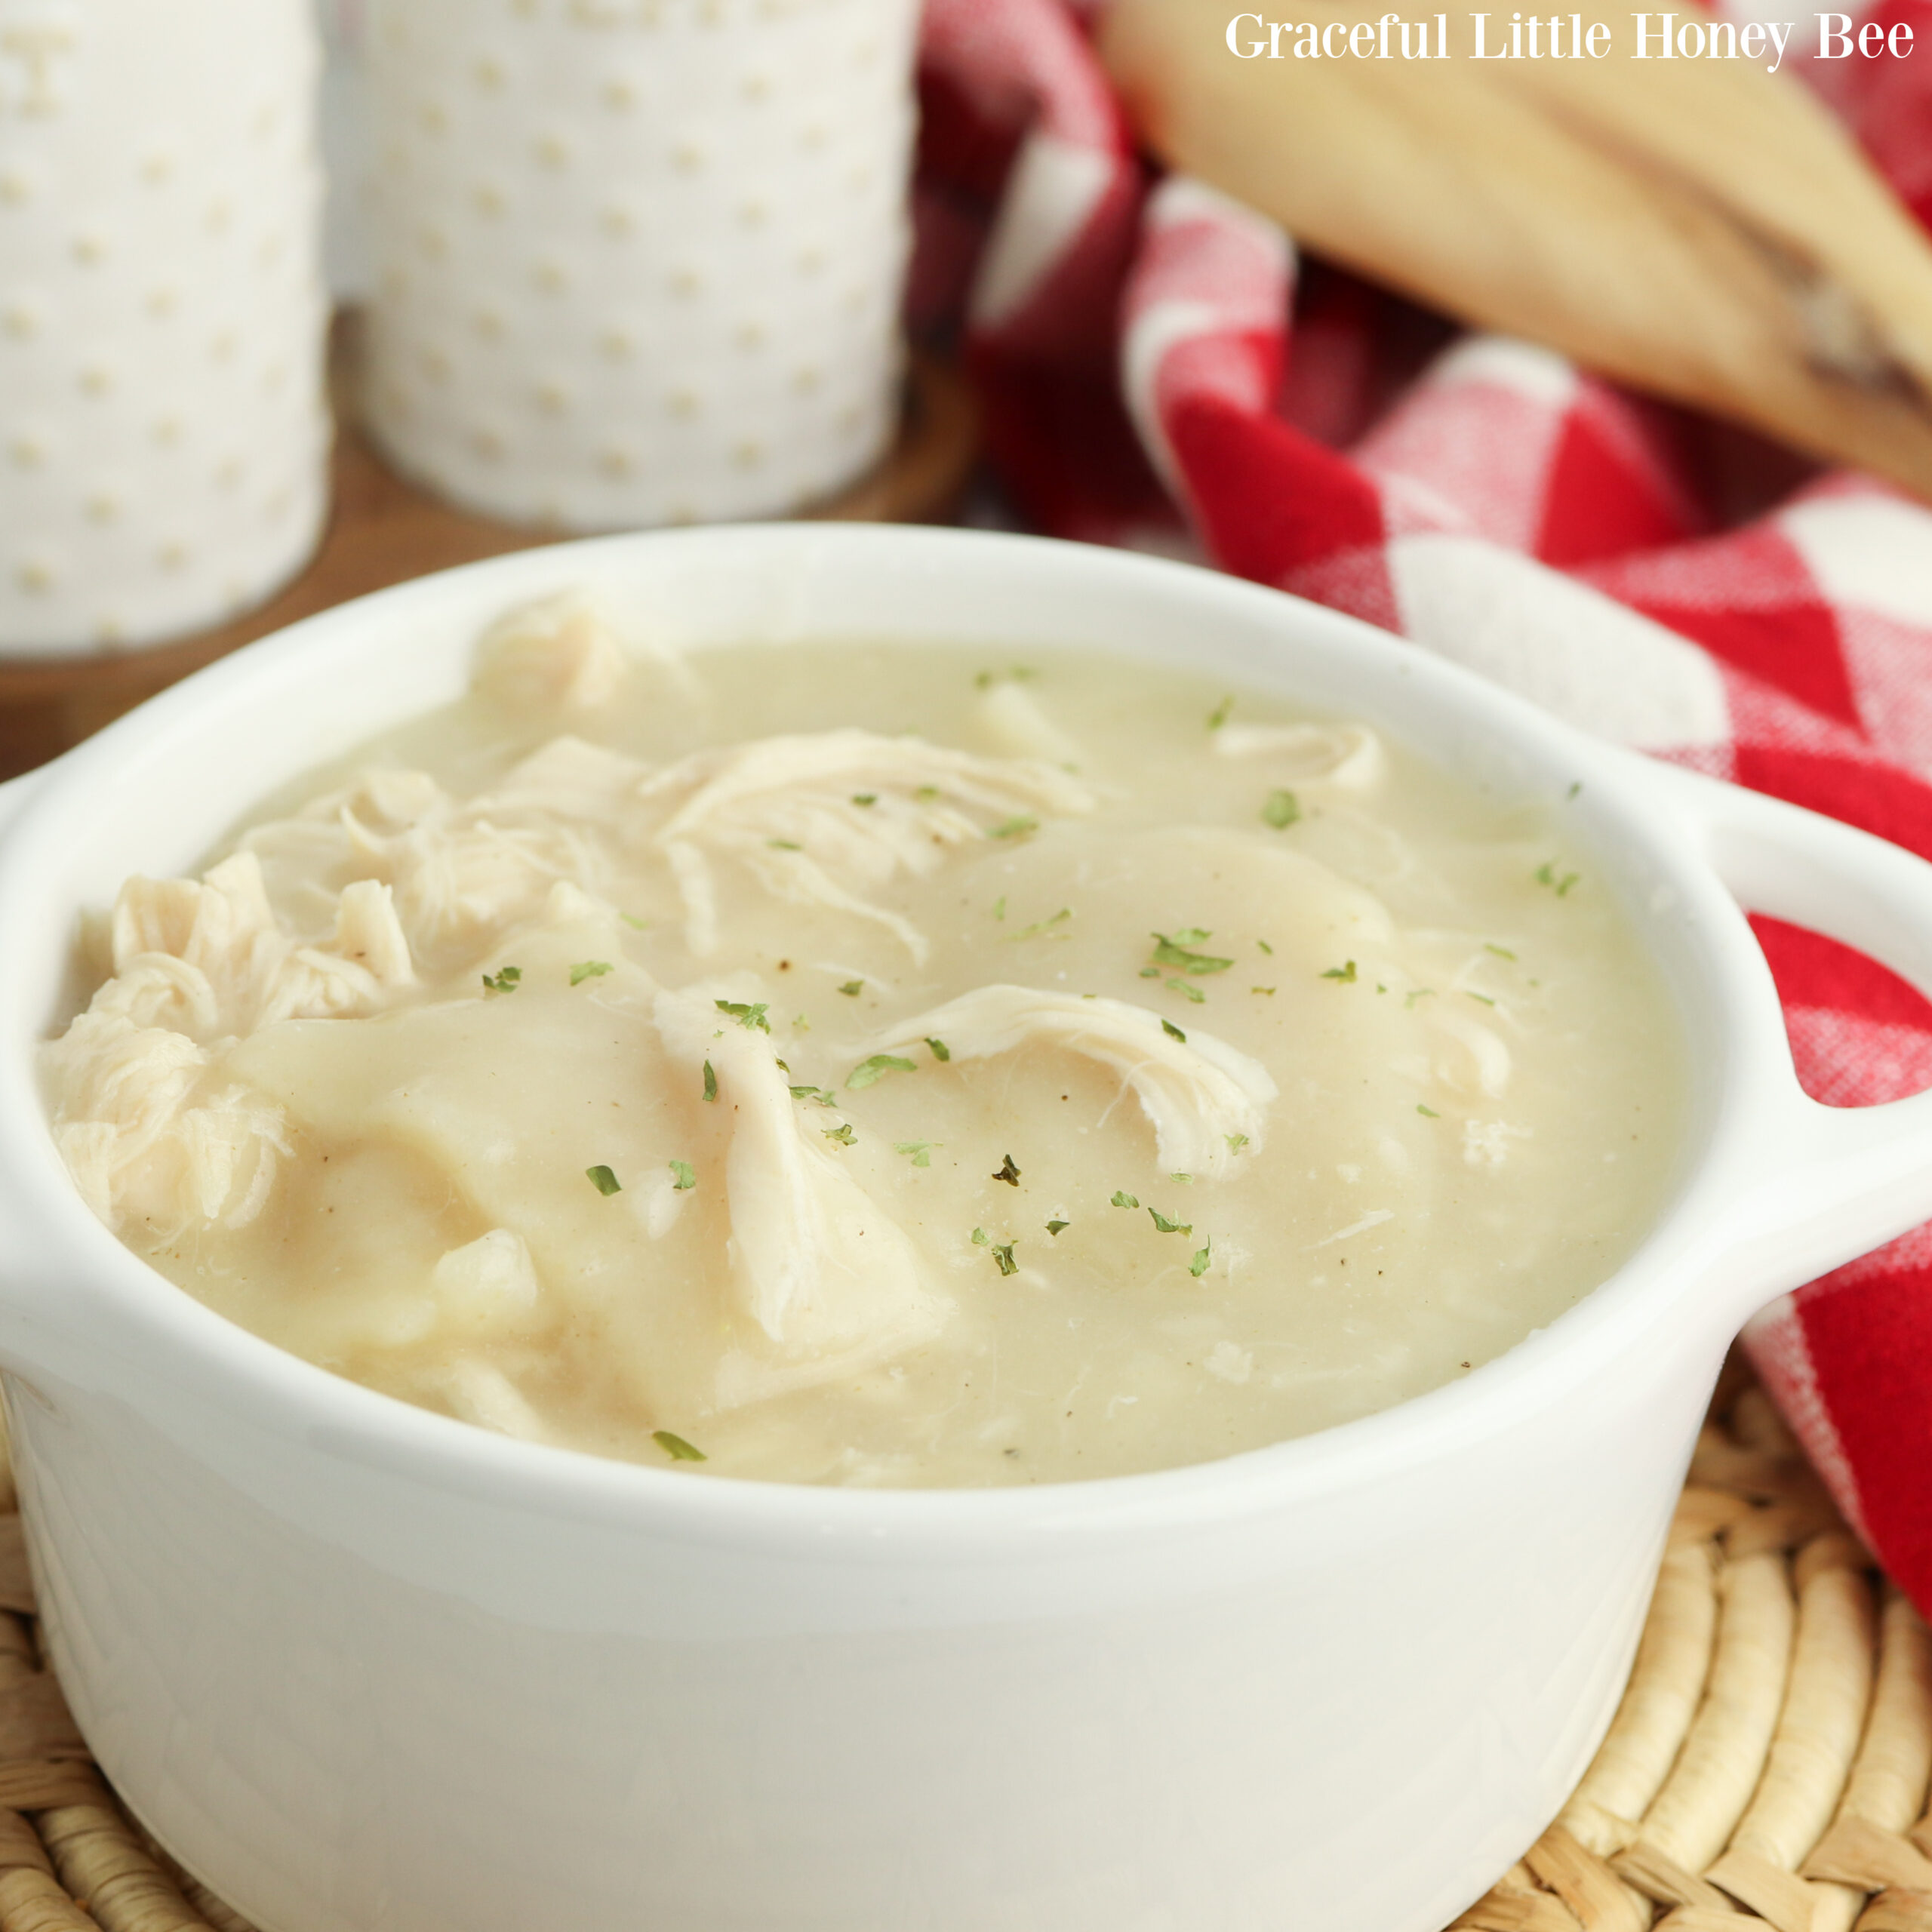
1832 1183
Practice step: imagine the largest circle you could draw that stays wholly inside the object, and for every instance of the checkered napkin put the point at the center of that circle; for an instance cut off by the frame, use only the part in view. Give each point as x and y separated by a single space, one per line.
1648 576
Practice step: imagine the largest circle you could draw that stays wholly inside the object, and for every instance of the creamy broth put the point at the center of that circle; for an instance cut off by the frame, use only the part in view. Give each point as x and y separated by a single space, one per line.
858 1065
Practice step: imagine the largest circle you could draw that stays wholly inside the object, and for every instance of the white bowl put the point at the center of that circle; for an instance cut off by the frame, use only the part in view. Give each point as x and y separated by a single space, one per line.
360 1667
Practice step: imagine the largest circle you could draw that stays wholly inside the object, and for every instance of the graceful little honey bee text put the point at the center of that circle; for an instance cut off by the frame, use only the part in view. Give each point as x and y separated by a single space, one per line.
1651 36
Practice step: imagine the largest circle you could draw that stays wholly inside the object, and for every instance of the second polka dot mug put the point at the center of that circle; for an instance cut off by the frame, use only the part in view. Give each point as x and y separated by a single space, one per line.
637 261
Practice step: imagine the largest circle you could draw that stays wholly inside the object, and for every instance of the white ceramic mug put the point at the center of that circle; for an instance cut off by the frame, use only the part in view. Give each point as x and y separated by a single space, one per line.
164 436
361 1667
637 261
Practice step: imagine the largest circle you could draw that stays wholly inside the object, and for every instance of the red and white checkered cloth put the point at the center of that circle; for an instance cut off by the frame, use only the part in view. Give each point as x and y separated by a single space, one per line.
1649 575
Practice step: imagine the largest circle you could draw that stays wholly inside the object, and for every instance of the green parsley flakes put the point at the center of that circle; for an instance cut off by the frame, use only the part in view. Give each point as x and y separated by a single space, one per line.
1545 874
1173 1032
1124 1199
1346 973
919 1152
1054 1227
1219 715
1171 950
505 981
865 798
1427 1113
1236 1141
1202 1255
842 1134
1187 992
589 969
819 1096
1044 928
852 988
1163 1225
1269 990
1281 811
710 1081
1007 1171
604 1180
1002 1251
676 1448
1501 952
747 1016
869 1071
683 1177
941 1051
784 845
1017 827
636 925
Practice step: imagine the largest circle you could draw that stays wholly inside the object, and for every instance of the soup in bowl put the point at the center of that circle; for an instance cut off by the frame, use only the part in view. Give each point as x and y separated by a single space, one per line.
359 1661
854 1064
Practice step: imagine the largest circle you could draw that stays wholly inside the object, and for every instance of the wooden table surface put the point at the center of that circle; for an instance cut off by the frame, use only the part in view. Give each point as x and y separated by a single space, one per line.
383 529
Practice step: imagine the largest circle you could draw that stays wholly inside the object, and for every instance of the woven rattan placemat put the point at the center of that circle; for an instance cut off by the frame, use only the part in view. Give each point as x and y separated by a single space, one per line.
1769 1763
1771 1758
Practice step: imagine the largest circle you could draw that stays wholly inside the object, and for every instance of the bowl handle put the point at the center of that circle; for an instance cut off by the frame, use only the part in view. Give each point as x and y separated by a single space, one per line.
1829 1183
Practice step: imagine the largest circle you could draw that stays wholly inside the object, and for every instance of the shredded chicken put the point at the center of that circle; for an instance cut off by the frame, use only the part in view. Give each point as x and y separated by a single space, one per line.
1019 727
489 1286
657 1200
210 959
195 965
1348 757
144 1141
559 654
569 777
480 1392
829 1277
1489 1063
461 871
1199 1094
824 819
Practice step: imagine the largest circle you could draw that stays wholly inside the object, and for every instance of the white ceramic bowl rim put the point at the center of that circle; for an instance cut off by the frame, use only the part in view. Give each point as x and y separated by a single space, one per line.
1746 1157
